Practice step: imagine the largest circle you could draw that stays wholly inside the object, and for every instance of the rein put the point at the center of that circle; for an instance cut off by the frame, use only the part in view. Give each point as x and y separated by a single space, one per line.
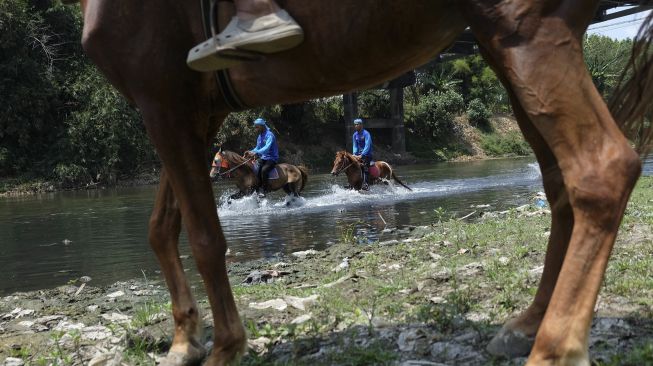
236 167
343 169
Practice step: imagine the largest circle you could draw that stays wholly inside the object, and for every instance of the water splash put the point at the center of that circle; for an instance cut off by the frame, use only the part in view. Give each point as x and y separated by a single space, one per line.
336 196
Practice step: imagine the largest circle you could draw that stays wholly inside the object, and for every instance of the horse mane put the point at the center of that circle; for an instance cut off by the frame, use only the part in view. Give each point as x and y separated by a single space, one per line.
351 157
233 157
631 104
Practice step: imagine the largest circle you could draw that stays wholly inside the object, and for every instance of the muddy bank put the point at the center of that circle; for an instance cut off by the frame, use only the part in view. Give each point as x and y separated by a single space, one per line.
431 295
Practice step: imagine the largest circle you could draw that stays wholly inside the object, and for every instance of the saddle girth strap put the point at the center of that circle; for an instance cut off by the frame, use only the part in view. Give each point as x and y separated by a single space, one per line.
209 15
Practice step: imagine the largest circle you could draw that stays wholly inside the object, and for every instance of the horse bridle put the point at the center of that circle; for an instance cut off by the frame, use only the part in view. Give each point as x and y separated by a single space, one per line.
227 163
343 169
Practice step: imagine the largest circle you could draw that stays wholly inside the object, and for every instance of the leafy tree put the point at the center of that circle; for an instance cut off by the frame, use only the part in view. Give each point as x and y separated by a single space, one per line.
605 59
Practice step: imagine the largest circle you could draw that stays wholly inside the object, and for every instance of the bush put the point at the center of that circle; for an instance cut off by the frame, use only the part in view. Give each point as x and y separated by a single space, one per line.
510 144
434 114
478 113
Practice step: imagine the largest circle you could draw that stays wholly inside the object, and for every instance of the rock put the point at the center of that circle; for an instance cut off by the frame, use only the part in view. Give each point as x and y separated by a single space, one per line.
49 320
304 254
389 242
17 313
503 260
112 358
509 343
462 251
408 338
259 344
67 326
115 294
301 319
96 333
471 337
265 276
471 269
13 361
394 266
342 266
92 308
116 318
437 300
435 256
420 363
537 271
477 317
277 304
388 231
421 231
450 351
85 279
26 324
300 302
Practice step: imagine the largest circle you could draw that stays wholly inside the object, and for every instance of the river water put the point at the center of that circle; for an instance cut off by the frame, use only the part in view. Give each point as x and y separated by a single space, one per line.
50 239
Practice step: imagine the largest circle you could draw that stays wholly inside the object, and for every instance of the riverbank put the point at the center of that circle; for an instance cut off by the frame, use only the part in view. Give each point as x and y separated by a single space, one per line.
427 294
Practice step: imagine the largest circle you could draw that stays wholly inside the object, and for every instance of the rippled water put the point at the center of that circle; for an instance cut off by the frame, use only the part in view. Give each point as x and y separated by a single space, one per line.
49 239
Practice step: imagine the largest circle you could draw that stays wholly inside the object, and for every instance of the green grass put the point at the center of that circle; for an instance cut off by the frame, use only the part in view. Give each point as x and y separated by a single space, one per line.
510 144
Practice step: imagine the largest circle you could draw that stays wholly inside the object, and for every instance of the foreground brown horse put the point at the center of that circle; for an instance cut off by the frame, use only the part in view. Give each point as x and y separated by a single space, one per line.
351 166
588 166
291 178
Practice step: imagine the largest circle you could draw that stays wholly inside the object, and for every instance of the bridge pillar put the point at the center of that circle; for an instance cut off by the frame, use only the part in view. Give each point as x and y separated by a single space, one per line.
350 103
397 115
395 122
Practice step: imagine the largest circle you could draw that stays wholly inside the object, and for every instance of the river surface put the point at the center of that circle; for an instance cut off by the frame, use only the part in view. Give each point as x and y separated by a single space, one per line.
50 239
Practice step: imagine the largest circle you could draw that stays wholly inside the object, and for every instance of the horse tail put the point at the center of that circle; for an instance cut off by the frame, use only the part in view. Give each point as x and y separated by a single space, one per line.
304 171
394 176
631 104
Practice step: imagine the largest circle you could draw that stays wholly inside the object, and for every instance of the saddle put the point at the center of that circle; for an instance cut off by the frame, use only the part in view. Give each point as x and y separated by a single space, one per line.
272 175
374 171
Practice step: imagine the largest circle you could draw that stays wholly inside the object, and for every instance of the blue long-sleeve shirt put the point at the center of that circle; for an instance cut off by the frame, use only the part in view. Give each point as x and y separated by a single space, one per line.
266 146
362 143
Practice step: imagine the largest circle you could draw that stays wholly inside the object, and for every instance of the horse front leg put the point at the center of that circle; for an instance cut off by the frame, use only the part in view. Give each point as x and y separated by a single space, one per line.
597 166
237 195
181 143
164 229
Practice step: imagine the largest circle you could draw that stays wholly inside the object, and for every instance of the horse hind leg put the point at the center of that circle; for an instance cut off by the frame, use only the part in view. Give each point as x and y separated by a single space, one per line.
164 229
597 166
517 336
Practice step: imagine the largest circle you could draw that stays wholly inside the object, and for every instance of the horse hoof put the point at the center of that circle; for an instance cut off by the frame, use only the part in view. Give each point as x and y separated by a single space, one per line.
183 359
510 343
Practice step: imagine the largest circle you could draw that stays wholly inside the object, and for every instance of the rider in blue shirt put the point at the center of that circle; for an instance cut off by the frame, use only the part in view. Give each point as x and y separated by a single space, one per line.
363 149
267 152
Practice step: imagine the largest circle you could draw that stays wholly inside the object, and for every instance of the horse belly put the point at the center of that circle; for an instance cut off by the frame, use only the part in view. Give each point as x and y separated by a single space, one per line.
349 45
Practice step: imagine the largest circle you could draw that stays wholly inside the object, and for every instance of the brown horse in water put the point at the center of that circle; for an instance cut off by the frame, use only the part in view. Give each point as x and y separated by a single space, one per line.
534 46
351 166
227 163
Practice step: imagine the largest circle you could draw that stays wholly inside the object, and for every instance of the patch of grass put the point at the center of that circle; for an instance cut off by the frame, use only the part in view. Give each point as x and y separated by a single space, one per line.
642 355
510 144
375 353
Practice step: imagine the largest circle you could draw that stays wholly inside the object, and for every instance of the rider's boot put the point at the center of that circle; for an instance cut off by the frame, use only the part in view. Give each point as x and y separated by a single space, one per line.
366 186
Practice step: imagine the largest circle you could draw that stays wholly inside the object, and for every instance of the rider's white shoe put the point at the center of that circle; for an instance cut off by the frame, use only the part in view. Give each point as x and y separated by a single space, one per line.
270 33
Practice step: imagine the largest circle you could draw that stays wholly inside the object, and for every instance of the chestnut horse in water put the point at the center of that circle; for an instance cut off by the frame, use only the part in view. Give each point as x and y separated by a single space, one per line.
291 178
351 165
534 46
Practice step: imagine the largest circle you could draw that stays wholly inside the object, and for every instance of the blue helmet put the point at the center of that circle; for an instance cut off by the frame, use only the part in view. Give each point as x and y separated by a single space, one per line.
259 122
358 121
